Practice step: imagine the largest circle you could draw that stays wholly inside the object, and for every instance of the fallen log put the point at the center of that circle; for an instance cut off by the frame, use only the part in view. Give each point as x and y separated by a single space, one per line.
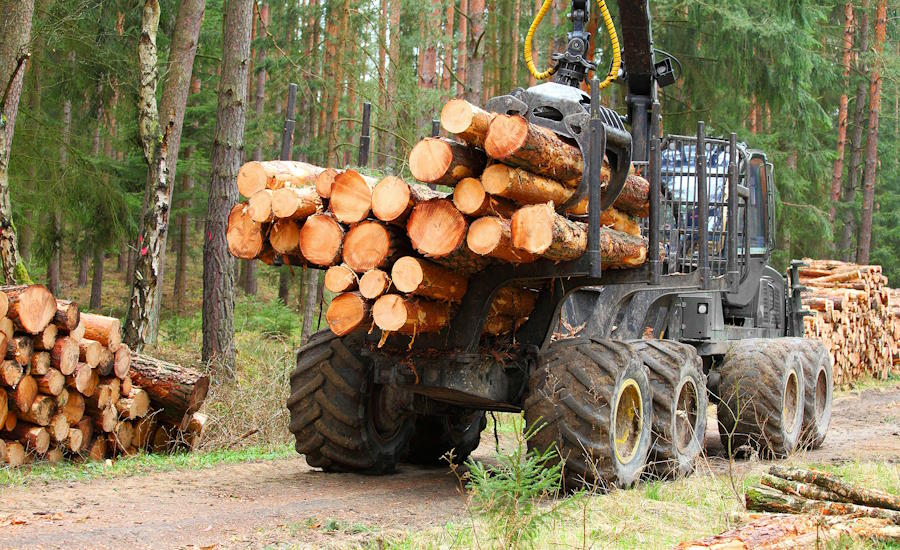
393 199
296 203
523 187
372 245
45 340
321 238
52 382
347 312
67 315
31 307
471 199
441 161
245 236
14 454
106 330
436 228
24 394
34 438
374 283
413 275
64 355
260 206
394 313
284 236
763 499
10 373
847 491
541 231
490 236
179 391
273 174
89 352
513 140
20 349
468 122
351 197
340 278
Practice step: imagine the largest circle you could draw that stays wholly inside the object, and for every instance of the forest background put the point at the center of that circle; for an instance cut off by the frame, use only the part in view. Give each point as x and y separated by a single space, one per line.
816 85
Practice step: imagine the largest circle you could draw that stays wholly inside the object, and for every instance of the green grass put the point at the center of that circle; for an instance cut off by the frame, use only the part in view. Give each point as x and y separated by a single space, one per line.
651 515
137 465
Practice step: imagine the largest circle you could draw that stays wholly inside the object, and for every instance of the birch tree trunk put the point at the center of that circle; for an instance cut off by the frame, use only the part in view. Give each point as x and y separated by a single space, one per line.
218 270
864 239
15 34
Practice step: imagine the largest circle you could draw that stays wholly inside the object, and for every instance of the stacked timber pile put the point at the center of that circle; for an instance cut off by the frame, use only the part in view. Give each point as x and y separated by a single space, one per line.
809 508
70 388
399 255
856 316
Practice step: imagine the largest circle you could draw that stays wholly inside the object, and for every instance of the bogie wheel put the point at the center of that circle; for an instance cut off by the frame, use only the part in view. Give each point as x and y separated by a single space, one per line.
761 393
591 400
679 405
437 435
340 419
818 375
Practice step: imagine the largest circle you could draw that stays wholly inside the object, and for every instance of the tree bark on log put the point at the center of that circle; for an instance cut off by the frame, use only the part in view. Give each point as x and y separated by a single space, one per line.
394 313
413 275
541 231
471 199
255 176
31 307
523 187
180 391
635 197
762 499
620 221
847 491
372 245
441 161
321 238
20 349
490 236
515 141
105 330
468 122
348 312
67 315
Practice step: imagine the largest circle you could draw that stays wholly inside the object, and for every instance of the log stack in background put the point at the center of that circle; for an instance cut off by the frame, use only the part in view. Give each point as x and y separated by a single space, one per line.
856 316
69 387
399 255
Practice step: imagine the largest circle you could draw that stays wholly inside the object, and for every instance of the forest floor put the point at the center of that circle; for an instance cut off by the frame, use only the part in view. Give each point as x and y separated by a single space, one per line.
281 501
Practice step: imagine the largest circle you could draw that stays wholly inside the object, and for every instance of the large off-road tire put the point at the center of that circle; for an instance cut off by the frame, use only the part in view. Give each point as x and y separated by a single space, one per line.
819 378
761 392
679 405
341 420
591 400
436 435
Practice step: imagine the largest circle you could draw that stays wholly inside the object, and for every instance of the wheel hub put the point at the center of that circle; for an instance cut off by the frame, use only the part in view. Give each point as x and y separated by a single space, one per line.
389 410
686 415
821 393
628 421
791 402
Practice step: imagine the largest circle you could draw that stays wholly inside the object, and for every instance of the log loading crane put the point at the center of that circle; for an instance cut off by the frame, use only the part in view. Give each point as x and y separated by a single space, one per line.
615 366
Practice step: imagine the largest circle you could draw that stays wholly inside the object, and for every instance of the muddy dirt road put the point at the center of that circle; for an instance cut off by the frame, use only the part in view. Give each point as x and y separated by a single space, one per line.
266 503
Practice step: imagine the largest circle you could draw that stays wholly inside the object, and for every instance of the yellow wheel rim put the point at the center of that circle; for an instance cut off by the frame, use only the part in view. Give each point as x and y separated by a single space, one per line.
628 421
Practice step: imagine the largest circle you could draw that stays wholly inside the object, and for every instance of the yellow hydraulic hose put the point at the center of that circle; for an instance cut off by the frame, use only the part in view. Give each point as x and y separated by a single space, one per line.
610 28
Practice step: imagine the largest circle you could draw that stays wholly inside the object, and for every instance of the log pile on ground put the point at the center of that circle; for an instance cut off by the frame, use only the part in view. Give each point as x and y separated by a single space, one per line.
806 508
856 316
69 387
399 255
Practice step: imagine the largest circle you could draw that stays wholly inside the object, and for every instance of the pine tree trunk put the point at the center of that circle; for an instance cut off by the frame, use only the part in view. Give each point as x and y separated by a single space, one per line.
187 185
843 106
448 46
97 281
248 274
462 54
337 92
161 138
848 193
381 142
864 239
475 69
55 263
284 285
394 74
15 34
84 265
218 272
310 302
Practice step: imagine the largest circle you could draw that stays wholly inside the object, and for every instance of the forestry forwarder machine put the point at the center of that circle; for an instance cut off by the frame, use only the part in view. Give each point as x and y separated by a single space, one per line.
615 366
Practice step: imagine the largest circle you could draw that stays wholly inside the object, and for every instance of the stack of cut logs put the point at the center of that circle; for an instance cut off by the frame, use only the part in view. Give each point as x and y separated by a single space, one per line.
857 317
70 388
810 508
400 255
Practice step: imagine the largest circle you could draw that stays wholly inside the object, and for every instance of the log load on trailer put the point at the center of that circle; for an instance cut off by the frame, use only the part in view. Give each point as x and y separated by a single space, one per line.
568 263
